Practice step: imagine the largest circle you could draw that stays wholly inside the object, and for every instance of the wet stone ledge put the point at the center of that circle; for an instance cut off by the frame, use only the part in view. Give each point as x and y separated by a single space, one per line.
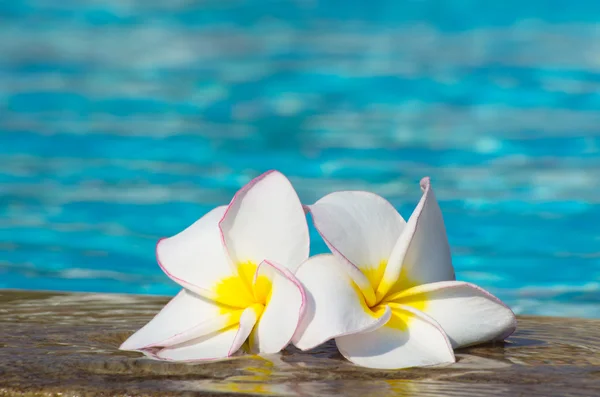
55 344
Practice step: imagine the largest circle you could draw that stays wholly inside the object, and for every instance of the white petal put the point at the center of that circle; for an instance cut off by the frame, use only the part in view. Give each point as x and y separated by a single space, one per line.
422 343
196 258
334 306
422 254
283 311
220 344
361 229
265 220
186 316
468 314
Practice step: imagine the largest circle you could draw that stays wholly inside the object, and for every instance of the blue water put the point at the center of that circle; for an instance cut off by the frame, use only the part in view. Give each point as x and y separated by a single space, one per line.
124 121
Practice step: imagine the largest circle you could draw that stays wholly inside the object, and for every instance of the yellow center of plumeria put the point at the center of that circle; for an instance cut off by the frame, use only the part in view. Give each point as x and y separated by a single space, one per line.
239 292
393 296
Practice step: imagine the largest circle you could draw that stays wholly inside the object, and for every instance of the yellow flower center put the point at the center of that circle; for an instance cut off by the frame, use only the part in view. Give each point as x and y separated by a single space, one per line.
239 292
393 297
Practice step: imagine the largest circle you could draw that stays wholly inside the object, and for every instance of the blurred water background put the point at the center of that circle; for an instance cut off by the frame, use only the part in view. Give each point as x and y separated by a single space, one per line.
122 121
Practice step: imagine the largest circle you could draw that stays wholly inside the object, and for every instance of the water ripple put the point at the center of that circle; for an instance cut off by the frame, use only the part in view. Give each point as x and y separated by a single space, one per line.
124 121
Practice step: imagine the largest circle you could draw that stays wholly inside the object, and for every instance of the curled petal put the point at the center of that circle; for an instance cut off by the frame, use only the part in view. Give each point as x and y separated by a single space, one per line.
265 220
468 314
410 339
361 229
422 254
218 345
335 306
187 316
195 258
283 311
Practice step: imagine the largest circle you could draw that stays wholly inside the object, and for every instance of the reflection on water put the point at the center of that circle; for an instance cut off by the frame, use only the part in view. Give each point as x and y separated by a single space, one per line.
68 343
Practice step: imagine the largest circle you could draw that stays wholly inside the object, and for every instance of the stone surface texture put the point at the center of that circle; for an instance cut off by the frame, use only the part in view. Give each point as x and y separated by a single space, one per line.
58 344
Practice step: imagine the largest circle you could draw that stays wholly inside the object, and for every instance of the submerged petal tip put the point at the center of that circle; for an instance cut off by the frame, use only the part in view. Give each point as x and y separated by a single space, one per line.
129 346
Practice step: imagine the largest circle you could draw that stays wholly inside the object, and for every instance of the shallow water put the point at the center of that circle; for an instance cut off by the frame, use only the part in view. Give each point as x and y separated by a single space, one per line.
124 121
57 343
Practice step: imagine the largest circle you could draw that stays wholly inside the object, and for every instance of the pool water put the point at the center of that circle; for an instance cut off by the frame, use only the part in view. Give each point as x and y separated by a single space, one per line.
125 121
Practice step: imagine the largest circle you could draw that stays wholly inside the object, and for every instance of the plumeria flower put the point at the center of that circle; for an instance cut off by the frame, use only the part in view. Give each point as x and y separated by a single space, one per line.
387 294
236 268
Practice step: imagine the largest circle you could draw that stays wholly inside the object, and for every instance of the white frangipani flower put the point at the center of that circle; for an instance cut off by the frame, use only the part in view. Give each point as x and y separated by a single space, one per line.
236 266
387 294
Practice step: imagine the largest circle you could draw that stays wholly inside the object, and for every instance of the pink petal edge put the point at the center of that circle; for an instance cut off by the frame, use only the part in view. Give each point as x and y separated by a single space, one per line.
230 353
425 184
332 247
237 339
431 320
424 317
243 190
290 276
189 286
307 210
146 346
441 285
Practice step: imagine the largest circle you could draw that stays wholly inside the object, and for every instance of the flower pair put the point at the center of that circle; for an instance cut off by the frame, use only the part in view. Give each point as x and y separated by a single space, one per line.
387 293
